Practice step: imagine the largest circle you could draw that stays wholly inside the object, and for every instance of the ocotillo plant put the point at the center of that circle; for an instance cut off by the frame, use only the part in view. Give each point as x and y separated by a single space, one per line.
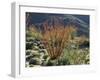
56 36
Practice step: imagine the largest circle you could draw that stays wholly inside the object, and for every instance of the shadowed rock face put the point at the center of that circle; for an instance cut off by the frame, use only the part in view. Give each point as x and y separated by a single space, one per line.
81 22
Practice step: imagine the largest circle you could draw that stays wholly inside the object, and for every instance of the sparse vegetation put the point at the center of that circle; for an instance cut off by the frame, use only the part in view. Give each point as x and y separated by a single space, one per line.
56 45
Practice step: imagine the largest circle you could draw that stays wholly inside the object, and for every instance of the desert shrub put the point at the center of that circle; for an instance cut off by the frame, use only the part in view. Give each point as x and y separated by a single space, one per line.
77 56
63 61
36 54
56 37
32 31
49 63
45 57
52 62
29 39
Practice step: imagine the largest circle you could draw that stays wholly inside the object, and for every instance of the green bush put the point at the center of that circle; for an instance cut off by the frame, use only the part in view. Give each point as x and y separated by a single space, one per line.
77 56
35 35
